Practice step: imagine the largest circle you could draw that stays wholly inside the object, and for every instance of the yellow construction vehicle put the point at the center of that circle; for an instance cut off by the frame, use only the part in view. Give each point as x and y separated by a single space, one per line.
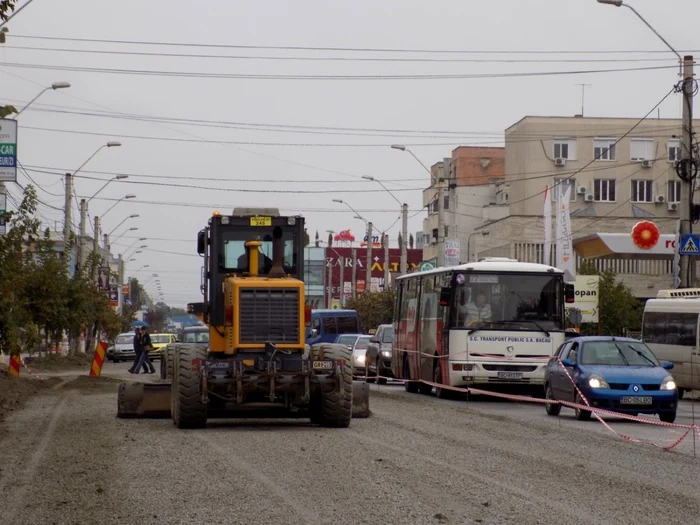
256 363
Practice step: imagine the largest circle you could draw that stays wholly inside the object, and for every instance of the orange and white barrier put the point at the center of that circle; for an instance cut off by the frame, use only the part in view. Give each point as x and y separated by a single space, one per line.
96 368
14 365
29 370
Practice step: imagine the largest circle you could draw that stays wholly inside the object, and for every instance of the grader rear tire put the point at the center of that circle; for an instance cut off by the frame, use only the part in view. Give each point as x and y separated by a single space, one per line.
188 409
334 408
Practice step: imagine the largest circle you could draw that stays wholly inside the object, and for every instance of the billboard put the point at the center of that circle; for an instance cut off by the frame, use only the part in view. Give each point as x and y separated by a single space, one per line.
8 150
586 289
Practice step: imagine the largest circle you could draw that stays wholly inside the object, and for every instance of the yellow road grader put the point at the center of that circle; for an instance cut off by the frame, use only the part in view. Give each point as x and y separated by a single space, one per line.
256 363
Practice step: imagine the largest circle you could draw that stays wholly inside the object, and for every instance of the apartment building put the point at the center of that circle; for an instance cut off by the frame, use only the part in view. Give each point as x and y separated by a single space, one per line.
470 188
620 171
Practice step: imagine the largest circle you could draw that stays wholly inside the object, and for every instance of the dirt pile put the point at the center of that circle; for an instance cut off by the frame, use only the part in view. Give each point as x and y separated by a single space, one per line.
54 362
14 391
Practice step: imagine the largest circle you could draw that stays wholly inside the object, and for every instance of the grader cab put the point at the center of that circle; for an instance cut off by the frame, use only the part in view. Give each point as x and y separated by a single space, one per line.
256 363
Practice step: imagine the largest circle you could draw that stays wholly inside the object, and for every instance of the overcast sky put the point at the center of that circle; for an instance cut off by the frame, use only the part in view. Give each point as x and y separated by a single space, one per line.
230 148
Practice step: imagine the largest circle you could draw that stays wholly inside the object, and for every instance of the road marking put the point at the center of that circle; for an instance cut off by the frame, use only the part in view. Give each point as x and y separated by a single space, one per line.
13 501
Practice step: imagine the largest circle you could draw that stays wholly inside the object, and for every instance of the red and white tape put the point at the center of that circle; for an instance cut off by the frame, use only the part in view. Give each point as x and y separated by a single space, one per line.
29 370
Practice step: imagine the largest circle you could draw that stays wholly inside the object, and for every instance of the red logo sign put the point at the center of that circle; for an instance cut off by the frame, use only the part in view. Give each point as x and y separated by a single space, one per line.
645 234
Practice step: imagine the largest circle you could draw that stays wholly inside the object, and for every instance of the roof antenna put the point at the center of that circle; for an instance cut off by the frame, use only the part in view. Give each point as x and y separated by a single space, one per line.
583 95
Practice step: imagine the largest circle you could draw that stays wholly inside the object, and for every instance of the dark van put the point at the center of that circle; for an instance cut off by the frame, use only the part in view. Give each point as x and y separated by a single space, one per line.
326 325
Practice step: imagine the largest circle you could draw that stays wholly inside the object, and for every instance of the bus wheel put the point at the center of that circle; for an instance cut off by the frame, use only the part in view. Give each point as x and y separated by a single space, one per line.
441 393
410 386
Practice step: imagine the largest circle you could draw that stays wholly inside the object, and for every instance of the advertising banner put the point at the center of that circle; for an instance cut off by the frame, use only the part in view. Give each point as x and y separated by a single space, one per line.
587 293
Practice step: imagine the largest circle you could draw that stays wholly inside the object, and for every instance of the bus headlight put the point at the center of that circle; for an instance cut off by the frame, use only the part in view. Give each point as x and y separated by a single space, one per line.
668 384
597 382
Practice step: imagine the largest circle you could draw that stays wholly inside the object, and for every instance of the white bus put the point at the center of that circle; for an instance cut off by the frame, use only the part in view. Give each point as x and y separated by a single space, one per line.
670 329
493 322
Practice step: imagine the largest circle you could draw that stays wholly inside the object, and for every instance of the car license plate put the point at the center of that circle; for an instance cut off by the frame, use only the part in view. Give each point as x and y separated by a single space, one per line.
636 400
322 365
261 221
510 375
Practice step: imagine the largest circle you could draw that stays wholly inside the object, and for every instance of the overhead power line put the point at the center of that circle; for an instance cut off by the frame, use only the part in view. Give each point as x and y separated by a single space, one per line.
258 76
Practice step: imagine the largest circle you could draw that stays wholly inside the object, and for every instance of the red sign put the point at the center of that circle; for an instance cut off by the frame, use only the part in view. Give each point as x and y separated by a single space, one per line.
344 235
645 234
125 289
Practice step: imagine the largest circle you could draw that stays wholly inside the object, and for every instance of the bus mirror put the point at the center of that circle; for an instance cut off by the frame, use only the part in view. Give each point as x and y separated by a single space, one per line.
445 296
201 243
569 293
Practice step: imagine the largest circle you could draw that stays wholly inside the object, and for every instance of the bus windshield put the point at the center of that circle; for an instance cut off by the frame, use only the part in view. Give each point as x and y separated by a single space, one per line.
508 302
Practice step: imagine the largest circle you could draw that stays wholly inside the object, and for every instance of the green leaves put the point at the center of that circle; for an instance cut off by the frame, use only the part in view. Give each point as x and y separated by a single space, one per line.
373 308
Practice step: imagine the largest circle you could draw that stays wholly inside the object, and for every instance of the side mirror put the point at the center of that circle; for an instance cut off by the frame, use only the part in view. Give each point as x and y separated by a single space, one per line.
445 293
668 365
374 340
569 293
568 363
202 242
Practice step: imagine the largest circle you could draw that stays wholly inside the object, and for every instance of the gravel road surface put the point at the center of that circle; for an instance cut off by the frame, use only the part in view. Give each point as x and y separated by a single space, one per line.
68 460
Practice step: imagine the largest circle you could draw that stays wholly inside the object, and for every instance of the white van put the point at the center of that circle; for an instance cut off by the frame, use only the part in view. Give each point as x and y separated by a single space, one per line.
670 329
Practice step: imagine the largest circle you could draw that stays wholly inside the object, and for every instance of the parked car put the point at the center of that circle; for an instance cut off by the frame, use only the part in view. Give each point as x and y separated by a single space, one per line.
123 348
327 325
614 373
160 341
357 344
378 358
195 334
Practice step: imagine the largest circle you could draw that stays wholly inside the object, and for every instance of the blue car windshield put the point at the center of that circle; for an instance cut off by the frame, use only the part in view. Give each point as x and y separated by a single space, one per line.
617 353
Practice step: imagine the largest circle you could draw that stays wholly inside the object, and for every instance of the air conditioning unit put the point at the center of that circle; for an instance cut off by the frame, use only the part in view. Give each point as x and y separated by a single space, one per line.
559 161
672 206
589 197
647 164
660 199
582 190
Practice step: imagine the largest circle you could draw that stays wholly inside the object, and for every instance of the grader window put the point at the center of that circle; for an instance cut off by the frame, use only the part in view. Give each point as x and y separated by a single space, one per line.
234 255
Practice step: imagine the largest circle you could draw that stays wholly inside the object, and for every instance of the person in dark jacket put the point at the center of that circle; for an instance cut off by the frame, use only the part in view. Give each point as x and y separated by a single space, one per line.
145 360
138 351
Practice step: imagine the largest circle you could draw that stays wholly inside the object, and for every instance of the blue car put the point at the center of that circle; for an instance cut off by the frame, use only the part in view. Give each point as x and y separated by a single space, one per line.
613 373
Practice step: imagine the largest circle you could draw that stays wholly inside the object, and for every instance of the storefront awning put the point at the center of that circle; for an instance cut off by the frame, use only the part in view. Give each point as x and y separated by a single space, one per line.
622 246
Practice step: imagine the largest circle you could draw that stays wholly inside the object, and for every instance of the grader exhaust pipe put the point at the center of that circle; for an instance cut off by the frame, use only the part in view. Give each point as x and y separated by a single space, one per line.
152 400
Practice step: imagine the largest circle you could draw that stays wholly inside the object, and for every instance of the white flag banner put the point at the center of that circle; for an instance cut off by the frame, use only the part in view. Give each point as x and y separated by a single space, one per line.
567 252
547 226
558 228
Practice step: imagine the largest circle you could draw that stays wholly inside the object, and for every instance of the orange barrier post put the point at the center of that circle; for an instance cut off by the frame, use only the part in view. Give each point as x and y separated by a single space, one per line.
99 358
14 365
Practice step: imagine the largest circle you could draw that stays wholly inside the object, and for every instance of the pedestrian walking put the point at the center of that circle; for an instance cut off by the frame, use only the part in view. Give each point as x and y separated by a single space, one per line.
138 351
146 346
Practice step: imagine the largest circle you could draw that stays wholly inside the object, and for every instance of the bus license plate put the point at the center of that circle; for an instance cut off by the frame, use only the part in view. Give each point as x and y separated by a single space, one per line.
261 221
636 400
510 375
322 365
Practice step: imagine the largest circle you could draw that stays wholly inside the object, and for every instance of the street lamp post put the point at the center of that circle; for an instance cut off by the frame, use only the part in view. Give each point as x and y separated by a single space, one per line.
687 167
469 240
368 269
54 86
122 234
125 219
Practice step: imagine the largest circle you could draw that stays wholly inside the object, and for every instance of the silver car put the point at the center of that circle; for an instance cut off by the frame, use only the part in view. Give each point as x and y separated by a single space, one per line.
357 344
123 348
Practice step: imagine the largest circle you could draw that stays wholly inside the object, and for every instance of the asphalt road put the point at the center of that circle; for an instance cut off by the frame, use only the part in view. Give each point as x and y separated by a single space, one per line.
420 460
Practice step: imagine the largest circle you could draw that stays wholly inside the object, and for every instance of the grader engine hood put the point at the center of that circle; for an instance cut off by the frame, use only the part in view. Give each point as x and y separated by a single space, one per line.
262 310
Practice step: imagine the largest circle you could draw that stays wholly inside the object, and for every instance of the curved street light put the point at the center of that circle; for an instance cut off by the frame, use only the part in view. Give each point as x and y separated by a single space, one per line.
128 196
135 215
122 234
55 85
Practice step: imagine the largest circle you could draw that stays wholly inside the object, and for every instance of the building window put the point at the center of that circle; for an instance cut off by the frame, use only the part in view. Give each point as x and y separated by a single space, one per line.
641 149
674 150
564 148
674 191
446 203
604 190
642 191
604 149
560 186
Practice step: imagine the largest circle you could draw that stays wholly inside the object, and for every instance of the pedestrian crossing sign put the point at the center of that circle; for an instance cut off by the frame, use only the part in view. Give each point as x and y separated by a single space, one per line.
690 244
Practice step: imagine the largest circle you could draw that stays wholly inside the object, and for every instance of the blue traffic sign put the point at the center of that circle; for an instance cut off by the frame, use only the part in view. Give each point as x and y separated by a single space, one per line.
690 244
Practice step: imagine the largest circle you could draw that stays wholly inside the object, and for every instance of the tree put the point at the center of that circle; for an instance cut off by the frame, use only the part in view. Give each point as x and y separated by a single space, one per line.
400 240
330 240
307 239
318 240
373 308
5 7
618 308
411 240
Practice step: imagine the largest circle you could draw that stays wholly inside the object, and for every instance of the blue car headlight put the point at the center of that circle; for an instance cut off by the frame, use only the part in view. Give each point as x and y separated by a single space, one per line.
595 381
668 384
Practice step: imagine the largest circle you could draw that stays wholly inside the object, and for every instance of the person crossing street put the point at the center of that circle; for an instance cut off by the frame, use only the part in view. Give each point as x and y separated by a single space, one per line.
144 360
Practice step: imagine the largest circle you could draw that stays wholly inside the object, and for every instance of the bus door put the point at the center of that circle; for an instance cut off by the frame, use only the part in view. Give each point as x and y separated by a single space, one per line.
428 334
413 327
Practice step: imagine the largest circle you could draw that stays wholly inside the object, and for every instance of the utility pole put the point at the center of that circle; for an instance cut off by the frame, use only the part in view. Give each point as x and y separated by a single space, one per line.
687 170
404 238
120 282
95 247
329 300
452 199
105 248
342 280
385 238
67 222
354 272
81 238
368 280
3 206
